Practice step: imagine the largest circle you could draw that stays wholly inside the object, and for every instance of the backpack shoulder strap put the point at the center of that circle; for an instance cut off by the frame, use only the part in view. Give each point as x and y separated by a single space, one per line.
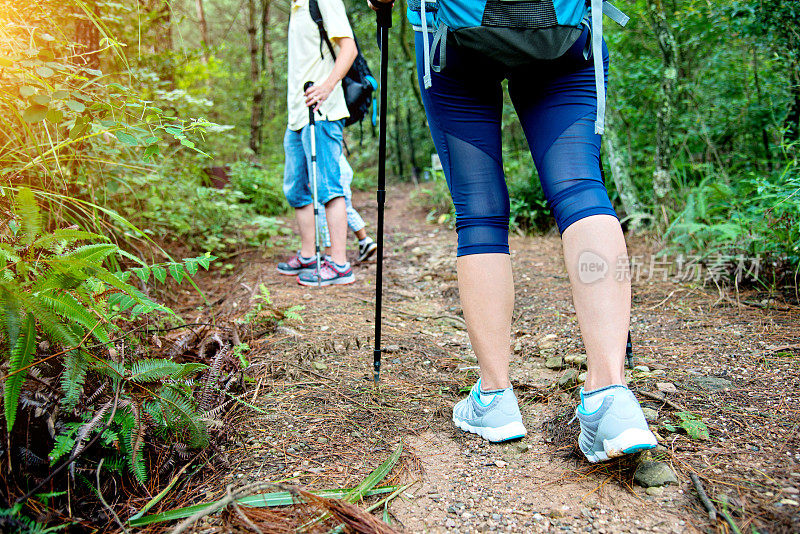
316 16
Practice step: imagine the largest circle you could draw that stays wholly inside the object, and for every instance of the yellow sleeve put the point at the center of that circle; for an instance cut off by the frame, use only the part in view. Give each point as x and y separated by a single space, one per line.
335 17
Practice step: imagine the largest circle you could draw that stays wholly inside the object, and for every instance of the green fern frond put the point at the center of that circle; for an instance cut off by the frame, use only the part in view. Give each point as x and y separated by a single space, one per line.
75 367
65 335
10 311
9 254
64 443
68 307
21 356
56 278
94 254
181 414
27 209
152 370
188 369
66 236
129 435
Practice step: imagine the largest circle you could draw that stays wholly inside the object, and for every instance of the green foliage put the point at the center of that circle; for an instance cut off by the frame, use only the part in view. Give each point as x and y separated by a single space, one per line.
757 216
435 197
261 187
57 285
12 520
264 312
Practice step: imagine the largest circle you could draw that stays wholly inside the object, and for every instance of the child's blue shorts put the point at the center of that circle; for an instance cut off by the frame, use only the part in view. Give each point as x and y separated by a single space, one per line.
297 170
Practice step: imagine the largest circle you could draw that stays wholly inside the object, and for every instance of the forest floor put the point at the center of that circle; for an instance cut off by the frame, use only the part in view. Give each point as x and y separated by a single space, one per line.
730 358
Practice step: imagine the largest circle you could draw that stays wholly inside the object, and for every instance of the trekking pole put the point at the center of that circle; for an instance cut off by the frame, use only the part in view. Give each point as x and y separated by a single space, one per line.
312 124
383 12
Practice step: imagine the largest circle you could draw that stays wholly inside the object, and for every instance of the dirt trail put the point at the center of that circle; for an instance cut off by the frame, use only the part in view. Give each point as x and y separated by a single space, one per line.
325 426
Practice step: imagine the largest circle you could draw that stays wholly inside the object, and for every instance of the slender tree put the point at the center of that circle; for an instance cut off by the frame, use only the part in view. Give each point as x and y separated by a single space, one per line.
201 17
256 111
662 175
619 169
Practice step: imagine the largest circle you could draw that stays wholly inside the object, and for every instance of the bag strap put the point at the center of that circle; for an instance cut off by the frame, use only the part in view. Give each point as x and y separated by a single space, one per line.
316 16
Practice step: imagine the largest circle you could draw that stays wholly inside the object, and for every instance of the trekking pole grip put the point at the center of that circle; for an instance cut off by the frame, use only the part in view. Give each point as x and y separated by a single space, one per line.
310 108
383 12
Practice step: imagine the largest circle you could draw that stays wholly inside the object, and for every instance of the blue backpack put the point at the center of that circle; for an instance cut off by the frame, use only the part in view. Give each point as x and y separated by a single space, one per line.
516 33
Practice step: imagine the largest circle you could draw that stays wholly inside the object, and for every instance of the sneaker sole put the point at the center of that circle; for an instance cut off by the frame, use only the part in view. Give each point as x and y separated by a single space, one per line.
294 272
630 441
335 282
369 253
507 432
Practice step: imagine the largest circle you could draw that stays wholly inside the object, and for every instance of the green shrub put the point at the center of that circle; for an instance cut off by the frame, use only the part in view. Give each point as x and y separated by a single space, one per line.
261 187
57 287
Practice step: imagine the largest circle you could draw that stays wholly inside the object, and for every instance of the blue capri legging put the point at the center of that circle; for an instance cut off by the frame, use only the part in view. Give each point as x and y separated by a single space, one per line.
556 103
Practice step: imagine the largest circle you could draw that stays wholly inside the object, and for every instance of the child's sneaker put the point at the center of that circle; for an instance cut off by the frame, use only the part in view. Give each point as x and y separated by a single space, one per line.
366 249
493 415
612 424
296 264
330 274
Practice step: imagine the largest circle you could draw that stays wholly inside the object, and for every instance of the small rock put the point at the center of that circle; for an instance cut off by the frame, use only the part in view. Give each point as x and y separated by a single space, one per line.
288 331
654 491
711 383
790 490
500 463
789 502
548 341
650 414
450 523
650 474
568 378
666 387
391 348
320 366
554 362
582 377
523 447
642 369
322 439
496 517
576 360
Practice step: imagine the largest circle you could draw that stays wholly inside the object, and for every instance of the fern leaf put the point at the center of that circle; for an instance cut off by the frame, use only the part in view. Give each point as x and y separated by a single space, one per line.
188 369
94 254
181 415
85 430
8 253
74 375
21 356
137 434
65 335
68 307
153 370
11 312
27 210
57 278
66 236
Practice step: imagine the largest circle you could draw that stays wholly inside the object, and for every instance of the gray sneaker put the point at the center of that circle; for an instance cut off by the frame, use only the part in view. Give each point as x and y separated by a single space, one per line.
617 427
499 420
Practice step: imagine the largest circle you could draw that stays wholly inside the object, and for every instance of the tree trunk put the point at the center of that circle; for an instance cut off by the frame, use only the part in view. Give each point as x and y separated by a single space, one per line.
162 23
619 170
201 16
255 79
662 176
87 34
400 169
